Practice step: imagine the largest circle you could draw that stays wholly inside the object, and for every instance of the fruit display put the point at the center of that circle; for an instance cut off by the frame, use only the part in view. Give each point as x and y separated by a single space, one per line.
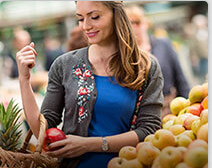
52 135
182 142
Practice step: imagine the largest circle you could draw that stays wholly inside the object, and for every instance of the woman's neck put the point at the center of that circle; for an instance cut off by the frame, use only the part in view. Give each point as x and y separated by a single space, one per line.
99 57
102 52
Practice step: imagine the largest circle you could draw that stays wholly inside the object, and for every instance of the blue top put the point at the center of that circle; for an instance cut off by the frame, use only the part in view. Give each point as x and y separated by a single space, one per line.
112 115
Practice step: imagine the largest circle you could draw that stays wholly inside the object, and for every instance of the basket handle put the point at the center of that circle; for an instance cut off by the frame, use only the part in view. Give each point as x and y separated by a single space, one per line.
43 126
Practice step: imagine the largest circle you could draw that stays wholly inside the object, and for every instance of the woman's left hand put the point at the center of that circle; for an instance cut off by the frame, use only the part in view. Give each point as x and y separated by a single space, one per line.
70 147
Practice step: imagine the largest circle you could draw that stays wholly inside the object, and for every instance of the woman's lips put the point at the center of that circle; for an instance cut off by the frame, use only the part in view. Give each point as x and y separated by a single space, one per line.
91 34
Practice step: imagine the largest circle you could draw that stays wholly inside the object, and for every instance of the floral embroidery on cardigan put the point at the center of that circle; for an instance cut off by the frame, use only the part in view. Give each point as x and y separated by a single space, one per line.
82 73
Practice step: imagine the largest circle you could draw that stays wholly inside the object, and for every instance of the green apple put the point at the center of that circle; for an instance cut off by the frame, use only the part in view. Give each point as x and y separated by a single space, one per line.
204 117
177 129
132 164
195 126
198 143
116 162
156 163
196 157
188 133
128 152
177 104
149 138
183 111
183 140
169 157
182 149
147 153
182 165
202 132
168 124
168 117
163 138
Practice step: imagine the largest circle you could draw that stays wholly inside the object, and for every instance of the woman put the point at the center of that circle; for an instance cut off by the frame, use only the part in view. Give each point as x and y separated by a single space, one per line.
100 87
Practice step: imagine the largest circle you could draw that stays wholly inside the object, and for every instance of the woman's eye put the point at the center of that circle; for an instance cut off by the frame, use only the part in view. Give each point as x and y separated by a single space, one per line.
95 18
80 20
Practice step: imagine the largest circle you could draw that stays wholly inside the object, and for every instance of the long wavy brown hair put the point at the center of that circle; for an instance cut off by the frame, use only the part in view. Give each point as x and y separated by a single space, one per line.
130 65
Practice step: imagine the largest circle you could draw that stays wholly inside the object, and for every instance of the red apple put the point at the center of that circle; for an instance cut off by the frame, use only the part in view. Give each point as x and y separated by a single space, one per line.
204 103
52 135
188 121
181 118
194 109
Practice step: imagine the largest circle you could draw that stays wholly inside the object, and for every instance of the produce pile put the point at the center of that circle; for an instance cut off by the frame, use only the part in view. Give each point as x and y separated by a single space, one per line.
182 142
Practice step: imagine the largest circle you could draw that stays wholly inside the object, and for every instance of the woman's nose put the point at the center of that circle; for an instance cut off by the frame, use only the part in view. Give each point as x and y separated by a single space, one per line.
87 25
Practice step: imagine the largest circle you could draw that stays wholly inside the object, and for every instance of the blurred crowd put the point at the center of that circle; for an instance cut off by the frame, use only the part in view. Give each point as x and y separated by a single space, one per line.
154 39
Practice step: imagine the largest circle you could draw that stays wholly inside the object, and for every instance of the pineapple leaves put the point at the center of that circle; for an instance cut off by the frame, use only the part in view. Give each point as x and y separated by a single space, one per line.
9 126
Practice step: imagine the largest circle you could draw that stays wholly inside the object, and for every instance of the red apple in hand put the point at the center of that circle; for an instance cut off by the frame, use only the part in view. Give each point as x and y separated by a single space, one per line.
52 135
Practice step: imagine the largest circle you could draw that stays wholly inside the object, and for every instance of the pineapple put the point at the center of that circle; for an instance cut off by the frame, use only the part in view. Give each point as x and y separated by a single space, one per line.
9 126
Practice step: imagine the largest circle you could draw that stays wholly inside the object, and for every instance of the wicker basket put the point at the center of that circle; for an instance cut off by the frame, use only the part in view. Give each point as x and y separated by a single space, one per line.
26 159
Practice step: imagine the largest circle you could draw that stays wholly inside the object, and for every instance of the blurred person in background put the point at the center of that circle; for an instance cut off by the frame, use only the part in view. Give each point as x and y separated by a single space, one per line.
110 81
175 83
52 49
77 39
21 38
198 33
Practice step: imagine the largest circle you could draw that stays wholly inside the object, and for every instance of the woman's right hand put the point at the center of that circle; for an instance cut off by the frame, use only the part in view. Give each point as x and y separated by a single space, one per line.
26 61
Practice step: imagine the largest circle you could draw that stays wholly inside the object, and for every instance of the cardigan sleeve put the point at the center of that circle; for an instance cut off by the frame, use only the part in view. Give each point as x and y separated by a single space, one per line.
53 103
149 119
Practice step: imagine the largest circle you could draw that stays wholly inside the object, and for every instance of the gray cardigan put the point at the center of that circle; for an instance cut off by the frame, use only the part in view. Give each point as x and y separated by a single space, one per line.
71 87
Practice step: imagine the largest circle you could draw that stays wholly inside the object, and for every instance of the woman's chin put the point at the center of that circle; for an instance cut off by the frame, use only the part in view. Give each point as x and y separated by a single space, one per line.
93 41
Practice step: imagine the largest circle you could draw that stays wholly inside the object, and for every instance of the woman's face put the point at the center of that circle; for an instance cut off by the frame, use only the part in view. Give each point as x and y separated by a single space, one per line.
96 20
